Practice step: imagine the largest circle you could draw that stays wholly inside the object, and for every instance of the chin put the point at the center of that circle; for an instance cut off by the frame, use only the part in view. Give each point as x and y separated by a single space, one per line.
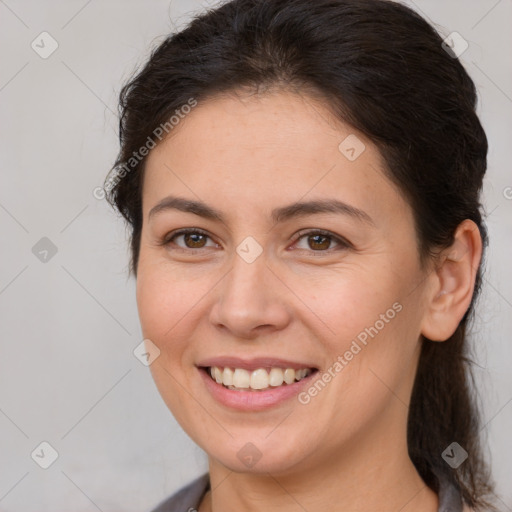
258 456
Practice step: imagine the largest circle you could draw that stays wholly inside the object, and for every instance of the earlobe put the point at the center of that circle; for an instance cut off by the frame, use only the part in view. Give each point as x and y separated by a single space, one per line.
453 282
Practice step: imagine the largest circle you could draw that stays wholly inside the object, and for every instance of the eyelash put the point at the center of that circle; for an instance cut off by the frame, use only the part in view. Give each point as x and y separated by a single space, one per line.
344 244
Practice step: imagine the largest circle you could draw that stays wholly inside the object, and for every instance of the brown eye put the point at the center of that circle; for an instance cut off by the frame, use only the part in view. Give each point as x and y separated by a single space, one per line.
320 241
192 239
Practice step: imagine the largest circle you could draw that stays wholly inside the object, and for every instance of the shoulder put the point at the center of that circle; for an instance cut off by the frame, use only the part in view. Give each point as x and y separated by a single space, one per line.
187 498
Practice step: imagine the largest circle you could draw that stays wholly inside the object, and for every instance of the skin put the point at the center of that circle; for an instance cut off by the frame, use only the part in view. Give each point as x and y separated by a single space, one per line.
245 155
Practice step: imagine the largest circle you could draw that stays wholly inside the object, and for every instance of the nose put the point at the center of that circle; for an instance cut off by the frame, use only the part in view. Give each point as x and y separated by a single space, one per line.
250 300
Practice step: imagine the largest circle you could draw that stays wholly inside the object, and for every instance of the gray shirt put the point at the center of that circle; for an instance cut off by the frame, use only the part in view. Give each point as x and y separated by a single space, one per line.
188 498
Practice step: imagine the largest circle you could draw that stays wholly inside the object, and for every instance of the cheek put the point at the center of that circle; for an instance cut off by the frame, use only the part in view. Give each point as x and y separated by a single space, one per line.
165 305
346 302
368 321
166 312
370 358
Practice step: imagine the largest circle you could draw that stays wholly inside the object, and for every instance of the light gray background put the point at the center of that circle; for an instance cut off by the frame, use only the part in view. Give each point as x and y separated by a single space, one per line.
69 326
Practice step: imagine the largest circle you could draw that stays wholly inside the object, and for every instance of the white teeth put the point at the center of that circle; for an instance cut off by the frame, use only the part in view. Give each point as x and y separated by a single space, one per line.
289 375
241 378
227 377
276 377
217 375
258 379
300 374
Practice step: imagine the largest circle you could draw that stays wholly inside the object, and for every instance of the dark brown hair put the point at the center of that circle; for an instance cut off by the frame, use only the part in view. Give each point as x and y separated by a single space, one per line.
382 68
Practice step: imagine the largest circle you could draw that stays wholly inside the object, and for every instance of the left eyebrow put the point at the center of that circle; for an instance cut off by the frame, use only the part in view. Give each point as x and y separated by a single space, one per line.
284 213
301 209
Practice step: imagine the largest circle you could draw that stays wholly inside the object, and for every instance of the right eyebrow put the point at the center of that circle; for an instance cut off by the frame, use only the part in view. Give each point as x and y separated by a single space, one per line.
186 205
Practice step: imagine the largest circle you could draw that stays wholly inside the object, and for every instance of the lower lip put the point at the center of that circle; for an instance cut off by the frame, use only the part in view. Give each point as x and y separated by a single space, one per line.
253 400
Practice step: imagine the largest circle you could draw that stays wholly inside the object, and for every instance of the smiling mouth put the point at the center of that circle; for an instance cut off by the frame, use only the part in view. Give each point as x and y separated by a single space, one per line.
261 379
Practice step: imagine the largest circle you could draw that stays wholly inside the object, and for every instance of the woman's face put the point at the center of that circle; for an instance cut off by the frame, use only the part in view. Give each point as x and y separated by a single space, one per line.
260 287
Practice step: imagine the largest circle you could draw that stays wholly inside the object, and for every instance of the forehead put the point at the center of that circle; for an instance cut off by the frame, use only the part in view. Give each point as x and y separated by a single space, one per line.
267 149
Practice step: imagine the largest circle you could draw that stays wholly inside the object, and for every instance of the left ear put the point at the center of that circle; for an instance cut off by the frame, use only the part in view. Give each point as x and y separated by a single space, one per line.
453 282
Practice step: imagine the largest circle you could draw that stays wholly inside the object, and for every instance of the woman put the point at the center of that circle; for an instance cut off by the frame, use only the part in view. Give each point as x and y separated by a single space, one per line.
302 180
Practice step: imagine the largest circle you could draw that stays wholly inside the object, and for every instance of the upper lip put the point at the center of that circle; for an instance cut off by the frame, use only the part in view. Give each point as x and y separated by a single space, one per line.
252 364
